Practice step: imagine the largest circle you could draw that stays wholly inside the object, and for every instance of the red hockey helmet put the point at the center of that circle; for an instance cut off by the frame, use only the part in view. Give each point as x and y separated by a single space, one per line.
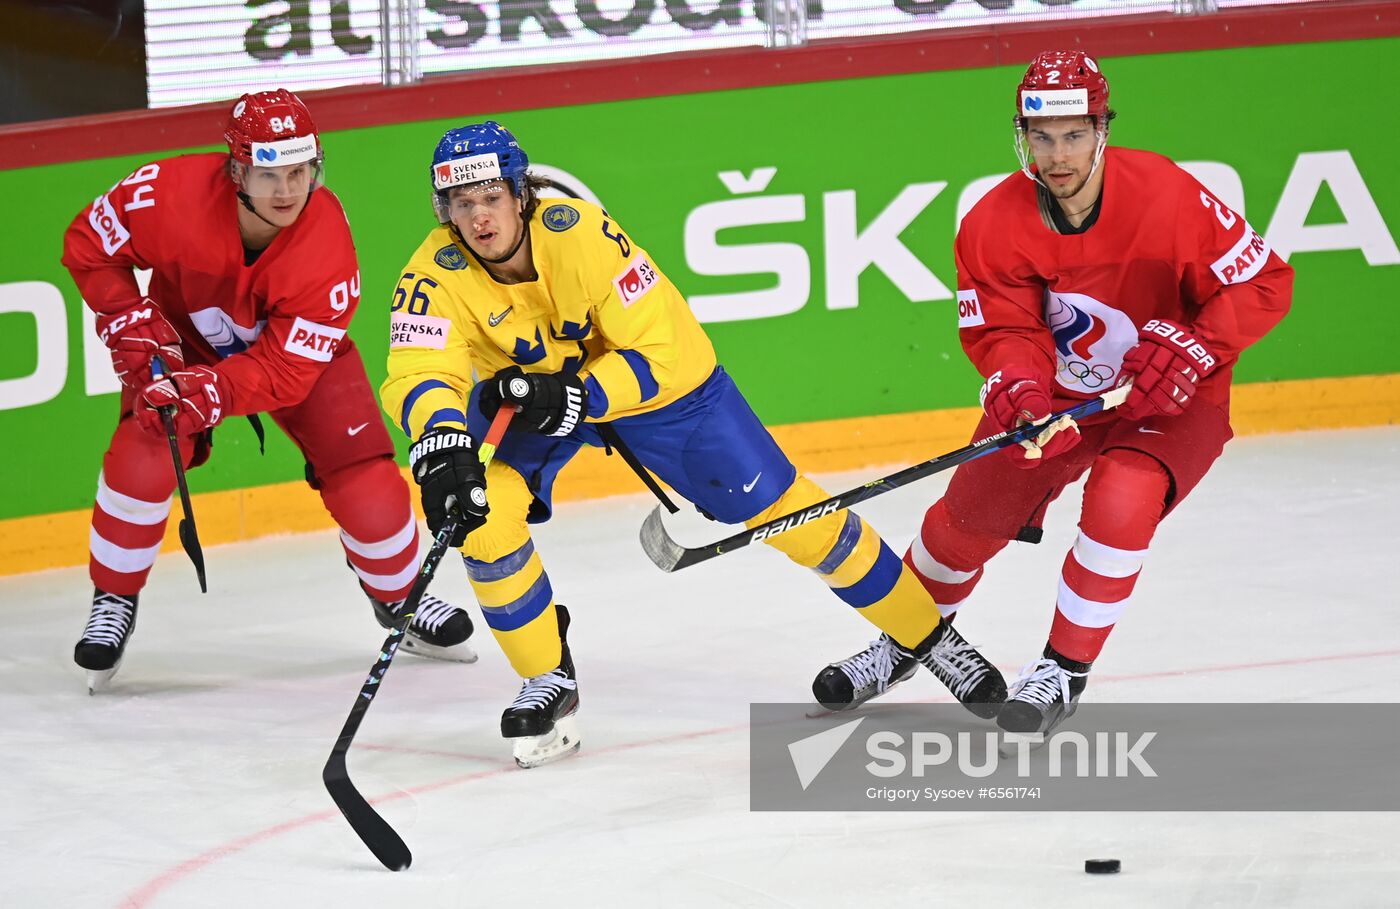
266 129
1063 84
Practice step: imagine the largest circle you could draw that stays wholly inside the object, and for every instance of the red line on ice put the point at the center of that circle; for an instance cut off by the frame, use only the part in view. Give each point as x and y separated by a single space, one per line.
143 896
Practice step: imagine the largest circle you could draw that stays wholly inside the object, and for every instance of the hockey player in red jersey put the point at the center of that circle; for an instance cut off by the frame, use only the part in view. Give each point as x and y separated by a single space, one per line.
1092 267
253 283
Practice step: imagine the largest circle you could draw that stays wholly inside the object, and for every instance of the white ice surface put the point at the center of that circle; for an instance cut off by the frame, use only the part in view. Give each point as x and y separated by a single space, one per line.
195 781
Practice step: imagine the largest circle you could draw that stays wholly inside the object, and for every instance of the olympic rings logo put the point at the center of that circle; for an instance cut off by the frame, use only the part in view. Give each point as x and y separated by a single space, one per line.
1088 376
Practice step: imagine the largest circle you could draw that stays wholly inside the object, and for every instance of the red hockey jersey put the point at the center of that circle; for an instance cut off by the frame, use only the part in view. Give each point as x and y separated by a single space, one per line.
268 328
1071 305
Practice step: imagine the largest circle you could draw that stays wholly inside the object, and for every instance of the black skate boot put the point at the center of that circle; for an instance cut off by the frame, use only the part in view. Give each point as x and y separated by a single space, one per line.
974 681
847 684
1046 694
439 630
100 649
540 722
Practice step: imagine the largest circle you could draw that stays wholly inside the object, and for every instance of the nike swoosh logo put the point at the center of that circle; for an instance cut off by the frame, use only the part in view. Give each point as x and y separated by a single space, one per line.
1155 432
497 320
354 430
750 484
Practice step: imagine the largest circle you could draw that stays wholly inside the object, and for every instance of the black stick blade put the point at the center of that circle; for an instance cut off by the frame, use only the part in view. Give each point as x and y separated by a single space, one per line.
189 539
376 833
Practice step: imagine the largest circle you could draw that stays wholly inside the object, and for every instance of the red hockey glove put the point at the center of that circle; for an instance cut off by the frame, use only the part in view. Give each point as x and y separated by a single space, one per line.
1014 396
136 334
1165 367
196 394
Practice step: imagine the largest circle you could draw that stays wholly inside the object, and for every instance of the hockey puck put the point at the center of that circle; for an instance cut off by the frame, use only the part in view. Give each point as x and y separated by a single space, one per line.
1102 866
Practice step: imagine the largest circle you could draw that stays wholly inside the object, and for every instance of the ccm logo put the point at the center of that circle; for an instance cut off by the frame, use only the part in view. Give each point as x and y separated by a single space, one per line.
125 321
313 341
216 410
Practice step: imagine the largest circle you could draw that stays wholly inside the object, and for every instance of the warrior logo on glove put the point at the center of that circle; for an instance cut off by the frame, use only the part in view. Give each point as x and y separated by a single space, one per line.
551 404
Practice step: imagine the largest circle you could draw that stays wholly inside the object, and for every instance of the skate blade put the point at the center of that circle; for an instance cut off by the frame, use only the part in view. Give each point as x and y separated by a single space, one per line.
100 679
817 711
538 750
457 653
1012 742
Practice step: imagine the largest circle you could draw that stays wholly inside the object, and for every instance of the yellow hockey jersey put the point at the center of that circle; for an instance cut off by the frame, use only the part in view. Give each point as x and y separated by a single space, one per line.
599 306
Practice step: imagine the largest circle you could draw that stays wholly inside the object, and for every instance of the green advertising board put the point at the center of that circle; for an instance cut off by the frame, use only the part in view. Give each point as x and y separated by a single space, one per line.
810 225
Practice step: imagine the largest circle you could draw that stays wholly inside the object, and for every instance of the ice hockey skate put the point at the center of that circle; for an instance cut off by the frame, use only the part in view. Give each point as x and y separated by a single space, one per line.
103 643
974 681
439 630
541 722
1046 694
847 684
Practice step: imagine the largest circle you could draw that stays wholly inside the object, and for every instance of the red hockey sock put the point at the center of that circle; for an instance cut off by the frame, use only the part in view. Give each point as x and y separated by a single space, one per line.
370 502
133 502
1123 501
947 558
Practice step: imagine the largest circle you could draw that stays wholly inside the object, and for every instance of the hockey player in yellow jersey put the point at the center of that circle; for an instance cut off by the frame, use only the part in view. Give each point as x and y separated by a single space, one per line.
551 307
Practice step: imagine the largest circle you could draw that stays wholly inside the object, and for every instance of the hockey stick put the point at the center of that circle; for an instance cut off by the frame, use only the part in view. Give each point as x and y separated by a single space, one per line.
376 833
189 536
668 555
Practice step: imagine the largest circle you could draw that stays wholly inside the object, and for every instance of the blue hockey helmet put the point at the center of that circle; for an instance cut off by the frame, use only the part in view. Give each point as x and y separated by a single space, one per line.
475 154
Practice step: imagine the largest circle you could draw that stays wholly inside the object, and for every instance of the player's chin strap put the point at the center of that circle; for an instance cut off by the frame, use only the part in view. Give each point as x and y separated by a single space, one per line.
248 204
501 260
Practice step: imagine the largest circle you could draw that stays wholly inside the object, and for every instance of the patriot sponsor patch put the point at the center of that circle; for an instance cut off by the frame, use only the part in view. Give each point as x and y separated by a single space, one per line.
313 341
969 309
108 227
636 279
1245 258
406 330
